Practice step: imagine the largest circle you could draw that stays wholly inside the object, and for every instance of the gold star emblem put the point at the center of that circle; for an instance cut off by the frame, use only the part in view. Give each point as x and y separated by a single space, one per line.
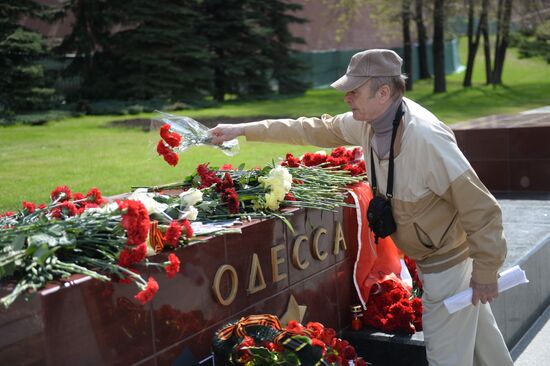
293 312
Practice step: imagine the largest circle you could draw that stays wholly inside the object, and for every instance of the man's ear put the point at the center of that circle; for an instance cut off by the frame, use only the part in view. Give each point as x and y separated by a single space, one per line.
384 93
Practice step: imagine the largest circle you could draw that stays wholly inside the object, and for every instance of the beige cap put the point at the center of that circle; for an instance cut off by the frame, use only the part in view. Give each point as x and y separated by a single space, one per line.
366 64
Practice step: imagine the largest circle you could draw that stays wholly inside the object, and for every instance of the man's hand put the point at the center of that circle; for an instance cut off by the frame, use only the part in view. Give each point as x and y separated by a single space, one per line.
483 292
225 132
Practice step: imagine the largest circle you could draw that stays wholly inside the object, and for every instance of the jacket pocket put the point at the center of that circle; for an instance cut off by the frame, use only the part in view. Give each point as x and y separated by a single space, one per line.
423 236
435 238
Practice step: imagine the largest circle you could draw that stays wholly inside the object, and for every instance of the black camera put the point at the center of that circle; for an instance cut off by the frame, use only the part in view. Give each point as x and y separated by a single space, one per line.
380 217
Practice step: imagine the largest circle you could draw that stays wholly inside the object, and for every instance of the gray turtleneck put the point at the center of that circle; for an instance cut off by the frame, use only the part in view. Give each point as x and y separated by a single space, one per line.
383 126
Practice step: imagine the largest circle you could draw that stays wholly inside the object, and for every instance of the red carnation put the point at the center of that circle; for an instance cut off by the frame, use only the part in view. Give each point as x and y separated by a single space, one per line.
291 161
30 207
227 167
173 267
78 197
94 196
227 182
65 209
207 176
63 193
327 335
339 152
162 148
164 130
290 197
294 327
171 158
416 304
231 197
337 161
135 220
315 328
7 214
310 159
188 228
131 255
360 362
149 292
173 234
172 138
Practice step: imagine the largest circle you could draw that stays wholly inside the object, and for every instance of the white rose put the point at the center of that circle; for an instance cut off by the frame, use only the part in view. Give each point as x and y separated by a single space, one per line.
191 197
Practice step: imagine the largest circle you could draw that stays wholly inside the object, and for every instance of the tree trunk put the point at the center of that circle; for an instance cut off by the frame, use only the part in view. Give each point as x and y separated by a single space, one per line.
503 32
406 18
484 25
421 30
472 47
439 48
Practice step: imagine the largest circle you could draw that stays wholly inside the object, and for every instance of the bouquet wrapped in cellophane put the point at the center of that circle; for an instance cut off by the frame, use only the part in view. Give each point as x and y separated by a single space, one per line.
179 133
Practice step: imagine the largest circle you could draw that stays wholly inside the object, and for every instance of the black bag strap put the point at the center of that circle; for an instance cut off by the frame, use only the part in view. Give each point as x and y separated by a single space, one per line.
389 191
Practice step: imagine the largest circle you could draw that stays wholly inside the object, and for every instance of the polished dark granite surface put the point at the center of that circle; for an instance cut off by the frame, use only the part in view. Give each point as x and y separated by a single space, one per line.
86 322
509 152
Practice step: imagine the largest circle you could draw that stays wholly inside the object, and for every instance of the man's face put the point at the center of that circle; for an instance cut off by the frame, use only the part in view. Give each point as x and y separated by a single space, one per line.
364 104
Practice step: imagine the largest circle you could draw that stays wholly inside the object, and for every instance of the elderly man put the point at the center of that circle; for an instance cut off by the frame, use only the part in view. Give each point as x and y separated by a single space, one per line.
445 218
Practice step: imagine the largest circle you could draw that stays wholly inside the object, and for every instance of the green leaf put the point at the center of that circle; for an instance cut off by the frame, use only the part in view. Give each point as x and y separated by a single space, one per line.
261 352
241 167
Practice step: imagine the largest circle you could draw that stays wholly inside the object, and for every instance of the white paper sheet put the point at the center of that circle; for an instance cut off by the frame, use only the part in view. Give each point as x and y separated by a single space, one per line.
511 277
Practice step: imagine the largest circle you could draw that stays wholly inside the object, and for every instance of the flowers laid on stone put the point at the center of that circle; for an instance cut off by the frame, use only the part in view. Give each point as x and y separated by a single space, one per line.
109 241
77 234
262 340
392 308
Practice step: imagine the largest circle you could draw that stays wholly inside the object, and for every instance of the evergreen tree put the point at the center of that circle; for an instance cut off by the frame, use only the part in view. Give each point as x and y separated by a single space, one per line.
250 43
88 42
160 52
23 85
287 69
138 50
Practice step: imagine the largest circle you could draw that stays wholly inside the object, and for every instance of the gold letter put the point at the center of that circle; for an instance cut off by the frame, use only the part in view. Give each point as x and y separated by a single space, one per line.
234 284
275 261
255 269
296 253
339 240
315 245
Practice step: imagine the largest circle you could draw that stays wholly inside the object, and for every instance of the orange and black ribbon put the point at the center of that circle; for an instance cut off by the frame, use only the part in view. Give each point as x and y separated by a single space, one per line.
155 237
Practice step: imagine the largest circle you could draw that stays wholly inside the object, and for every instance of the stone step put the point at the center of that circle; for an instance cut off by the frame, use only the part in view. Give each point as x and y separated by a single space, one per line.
381 349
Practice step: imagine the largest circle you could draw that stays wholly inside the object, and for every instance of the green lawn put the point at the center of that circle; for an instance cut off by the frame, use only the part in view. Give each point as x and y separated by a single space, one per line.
83 152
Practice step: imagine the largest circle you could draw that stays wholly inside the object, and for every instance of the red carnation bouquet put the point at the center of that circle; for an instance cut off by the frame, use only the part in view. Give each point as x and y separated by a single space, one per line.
77 234
341 157
391 307
178 133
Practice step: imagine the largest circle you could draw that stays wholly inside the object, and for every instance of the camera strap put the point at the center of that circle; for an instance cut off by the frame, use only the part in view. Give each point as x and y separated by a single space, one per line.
389 191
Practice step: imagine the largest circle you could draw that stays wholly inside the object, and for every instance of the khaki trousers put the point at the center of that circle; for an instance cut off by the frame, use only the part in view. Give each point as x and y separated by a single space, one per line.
469 336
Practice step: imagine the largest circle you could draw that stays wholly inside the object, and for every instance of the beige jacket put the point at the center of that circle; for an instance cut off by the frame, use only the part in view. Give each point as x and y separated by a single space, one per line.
443 211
